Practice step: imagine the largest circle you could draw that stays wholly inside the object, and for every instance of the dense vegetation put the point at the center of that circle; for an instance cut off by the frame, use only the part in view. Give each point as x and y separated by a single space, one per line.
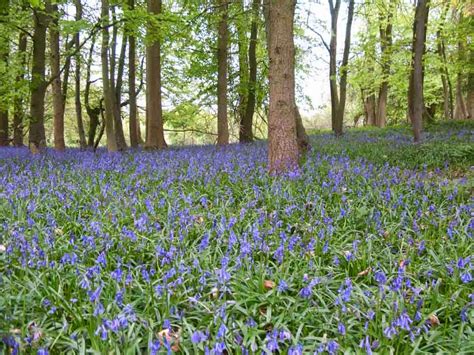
199 249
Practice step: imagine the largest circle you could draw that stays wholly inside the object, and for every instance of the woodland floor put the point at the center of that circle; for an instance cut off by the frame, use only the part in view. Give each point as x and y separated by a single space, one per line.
367 248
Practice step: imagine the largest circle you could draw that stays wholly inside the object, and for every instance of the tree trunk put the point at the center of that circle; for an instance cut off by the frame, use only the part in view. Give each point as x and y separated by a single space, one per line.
77 94
415 92
4 49
107 89
56 88
222 48
133 124
154 127
37 136
343 72
445 79
92 112
470 88
385 48
282 139
369 109
334 10
117 86
243 88
19 111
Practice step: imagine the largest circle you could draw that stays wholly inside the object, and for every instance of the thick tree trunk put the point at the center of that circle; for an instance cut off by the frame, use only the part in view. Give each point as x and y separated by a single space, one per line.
369 109
19 110
460 111
154 122
77 94
415 91
107 89
132 57
282 139
37 136
92 112
343 72
222 49
385 48
56 88
4 49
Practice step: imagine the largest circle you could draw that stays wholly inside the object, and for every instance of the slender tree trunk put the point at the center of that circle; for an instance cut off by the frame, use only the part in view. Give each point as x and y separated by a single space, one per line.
4 49
58 107
37 136
77 94
132 57
92 112
107 89
334 10
470 88
385 48
19 111
243 88
445 79
343 72
283 150
154 122
415 92
222 51
120 136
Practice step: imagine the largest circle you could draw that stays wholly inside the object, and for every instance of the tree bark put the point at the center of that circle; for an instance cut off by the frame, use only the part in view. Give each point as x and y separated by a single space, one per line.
470 88
334 10
385 48
4 49
243 87
92 112
117 86
415 92
154 131
222 52
133 124
37 136
343 72
107 89
369 109
56 88
19 111
445 79
77 93
282 137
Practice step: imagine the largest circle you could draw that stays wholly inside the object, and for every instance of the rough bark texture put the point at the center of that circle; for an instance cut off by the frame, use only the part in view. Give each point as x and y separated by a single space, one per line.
92 112
133 124
4 138
385 48
415 91
369 110
154 133
107 89
77 94
117 87
19 110
339 119
37 136
282 139
56 88
222 49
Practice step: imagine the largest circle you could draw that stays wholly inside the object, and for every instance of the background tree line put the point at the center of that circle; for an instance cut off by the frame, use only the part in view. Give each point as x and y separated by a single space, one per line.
132 72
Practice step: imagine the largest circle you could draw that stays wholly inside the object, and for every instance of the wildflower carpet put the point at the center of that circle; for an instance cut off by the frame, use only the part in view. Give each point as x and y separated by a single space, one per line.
198 249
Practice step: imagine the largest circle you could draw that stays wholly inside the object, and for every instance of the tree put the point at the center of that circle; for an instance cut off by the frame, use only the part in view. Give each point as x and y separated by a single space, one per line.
18 109
222 49
415 92
37 135
77 96
4 49
133 124
58 106
107 89
282 139
338 99
154 127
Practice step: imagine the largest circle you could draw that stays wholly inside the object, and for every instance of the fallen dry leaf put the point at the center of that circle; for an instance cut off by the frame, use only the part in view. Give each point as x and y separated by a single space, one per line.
365 272
268 284
170 337
434 320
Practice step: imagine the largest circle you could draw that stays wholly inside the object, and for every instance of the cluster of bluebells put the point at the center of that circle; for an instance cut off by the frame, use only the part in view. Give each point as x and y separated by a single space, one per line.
168 251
